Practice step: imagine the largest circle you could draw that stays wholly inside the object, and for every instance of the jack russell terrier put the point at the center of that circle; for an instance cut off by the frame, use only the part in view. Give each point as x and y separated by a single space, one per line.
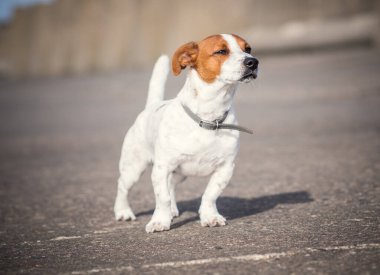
194 134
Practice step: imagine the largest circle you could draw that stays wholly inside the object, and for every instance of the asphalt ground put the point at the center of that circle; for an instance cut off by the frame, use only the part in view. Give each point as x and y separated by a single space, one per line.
304 198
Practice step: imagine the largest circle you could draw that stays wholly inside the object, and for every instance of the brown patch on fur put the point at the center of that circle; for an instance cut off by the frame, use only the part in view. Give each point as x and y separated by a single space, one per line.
241 42
186 55
201 56
208 64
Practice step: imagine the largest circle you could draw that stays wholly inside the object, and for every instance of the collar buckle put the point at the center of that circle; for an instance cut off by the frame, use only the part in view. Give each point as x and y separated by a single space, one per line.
209 125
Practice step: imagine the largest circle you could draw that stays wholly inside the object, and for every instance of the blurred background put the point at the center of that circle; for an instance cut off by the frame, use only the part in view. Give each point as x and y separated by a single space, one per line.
56 37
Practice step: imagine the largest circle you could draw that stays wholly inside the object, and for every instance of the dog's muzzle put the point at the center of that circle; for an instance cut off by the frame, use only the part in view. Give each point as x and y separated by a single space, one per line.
251 64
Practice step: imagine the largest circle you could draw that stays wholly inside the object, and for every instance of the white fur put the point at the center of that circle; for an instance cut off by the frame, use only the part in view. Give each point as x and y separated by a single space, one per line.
158 79
166 136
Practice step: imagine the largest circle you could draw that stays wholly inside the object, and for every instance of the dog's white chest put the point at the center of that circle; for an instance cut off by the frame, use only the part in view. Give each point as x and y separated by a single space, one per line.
200 165
203 158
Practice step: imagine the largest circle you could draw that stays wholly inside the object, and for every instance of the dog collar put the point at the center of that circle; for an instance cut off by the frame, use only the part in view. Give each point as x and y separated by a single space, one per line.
215 124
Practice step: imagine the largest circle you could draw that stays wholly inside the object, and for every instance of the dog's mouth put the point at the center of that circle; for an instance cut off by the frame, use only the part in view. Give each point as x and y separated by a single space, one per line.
249 75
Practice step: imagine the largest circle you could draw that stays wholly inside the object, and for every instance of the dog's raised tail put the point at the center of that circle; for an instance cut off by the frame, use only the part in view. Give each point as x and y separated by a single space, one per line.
158 80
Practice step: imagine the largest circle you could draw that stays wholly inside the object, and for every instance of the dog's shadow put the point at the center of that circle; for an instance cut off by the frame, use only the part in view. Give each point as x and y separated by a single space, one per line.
234 207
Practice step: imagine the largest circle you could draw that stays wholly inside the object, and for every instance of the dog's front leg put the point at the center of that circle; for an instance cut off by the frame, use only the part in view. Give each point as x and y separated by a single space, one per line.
174 179
162 214
208 212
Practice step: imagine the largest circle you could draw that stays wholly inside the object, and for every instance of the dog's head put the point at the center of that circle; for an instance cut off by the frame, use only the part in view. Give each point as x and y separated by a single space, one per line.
223 57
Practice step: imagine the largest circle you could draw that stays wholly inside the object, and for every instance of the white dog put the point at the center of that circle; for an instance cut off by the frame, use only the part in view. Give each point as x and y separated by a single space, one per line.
194 134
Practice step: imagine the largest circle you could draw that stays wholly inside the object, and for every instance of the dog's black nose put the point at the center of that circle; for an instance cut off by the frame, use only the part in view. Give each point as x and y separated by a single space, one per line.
251 62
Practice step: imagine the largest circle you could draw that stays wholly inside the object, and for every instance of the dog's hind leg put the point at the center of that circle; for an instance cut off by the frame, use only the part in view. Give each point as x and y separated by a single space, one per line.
174 179
133 162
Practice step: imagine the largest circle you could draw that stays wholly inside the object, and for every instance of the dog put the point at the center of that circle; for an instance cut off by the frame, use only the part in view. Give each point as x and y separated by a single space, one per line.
194 134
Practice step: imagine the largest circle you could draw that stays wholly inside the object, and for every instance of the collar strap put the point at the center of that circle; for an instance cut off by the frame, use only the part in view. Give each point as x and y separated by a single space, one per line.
215 124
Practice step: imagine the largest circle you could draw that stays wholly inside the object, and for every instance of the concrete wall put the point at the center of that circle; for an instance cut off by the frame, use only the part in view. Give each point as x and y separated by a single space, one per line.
79 36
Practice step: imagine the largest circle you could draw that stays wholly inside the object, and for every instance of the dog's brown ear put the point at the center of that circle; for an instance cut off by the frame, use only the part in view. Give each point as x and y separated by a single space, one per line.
184 56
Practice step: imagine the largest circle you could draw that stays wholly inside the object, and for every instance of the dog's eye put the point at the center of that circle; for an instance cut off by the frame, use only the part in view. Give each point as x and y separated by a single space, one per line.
221 52
248 50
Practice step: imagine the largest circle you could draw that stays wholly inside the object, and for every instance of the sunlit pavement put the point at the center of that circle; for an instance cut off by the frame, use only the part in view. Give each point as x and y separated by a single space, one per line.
305 196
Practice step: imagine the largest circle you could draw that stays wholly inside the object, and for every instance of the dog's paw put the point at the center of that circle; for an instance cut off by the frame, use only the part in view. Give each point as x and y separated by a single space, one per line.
124 215
213 220
157 226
